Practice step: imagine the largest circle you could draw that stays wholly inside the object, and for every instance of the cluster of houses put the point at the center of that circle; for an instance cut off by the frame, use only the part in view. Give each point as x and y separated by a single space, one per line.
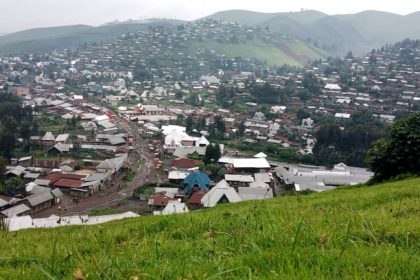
126 74
44 187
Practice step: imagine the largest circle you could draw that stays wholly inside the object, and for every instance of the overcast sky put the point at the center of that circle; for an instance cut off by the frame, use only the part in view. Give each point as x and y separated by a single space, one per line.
23 14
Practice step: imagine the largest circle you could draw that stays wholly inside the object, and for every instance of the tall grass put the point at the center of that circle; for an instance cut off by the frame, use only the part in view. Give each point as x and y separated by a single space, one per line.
367 232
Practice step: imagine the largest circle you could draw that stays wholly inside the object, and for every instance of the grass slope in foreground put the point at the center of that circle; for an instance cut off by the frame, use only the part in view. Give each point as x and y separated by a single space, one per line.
366 232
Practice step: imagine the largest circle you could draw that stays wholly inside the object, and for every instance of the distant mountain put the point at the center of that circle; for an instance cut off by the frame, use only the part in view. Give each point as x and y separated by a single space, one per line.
44 39
336 34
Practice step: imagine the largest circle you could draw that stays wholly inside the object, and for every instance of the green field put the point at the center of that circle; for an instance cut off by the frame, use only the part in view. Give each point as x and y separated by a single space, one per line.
266 52
351 233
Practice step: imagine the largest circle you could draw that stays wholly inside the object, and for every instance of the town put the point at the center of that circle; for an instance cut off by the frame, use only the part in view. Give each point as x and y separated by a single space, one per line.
157 122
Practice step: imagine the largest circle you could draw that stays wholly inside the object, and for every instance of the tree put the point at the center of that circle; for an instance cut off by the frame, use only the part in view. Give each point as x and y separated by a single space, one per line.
193 99
7 145
76 148
220 126
241 129
302 114
213 153
189 124
3 165
13 186
399 152
25 131
209 154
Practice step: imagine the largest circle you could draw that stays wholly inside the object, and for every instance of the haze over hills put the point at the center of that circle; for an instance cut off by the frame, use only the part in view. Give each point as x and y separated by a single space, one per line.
261 45
336 34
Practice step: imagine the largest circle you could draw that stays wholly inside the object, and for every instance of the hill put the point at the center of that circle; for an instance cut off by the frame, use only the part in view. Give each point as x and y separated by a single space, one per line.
337 33
348 233
231 41
45 39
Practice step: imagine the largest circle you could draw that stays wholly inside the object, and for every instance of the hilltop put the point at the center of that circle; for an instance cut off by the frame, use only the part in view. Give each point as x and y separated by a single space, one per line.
336 34
50 38
358 232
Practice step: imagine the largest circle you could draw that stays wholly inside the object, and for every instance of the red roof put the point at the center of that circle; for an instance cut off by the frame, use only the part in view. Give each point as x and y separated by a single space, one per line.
6 198
68 183
196 197
186 163
54 177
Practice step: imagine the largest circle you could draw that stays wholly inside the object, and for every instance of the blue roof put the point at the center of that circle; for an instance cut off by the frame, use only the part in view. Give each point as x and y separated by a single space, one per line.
196 179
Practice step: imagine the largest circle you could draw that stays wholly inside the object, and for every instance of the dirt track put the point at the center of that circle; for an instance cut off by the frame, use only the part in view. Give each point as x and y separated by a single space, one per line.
112 197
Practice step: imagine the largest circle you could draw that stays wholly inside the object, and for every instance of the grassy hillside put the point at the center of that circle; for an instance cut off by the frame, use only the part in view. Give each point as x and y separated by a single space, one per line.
44 39
353 233
277 52
358 32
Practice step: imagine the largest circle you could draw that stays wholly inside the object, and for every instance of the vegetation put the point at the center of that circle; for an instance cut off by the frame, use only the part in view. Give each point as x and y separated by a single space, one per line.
265 52
45 39
13 186
129 176
103 212
213 153
14 120
336 34
148 188
399 152
349 233
349 145
277 152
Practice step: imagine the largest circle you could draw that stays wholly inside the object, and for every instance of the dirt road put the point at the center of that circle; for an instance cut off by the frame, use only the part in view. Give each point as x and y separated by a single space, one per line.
141 162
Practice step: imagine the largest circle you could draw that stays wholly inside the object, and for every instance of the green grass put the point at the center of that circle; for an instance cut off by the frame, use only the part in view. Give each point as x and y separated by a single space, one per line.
351 233
252 49
303 49
103 211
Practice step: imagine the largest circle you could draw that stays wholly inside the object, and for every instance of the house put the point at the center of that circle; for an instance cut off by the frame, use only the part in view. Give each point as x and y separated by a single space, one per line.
238 180
59 149
196 181
194 202
266 178
48 139
342 116
113 165
16 171
101 178
15 211
219 194
332 87
158 201
255 193
40 198
66 182
62 138
177 177
25 161
173 207
245 165
68 165
186 163
260 155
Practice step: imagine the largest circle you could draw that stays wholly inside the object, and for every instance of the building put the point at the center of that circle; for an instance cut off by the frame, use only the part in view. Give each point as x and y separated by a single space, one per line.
196 181
220 194
246 165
